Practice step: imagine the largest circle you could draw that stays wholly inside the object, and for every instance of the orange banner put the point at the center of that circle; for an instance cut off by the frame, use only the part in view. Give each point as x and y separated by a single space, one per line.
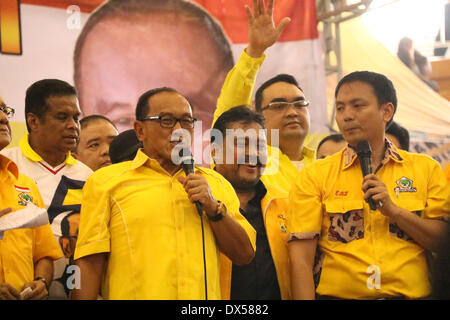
10 37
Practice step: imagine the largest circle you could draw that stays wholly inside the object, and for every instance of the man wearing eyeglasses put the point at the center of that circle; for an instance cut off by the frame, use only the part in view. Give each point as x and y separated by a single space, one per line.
280 100
27 254
140 231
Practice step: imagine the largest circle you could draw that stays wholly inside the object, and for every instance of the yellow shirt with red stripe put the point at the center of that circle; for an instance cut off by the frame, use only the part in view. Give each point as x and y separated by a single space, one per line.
20 249
237 90
142 217
362 254
60 188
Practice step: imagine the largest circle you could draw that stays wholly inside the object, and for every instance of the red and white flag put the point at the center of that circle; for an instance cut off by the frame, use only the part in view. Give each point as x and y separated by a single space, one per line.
298 51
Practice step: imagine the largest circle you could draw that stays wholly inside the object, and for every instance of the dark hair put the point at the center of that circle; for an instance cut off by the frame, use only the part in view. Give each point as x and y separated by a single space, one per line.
124 146
400 133
336 137
94 117
143 107
283 77
125 7
382 87
38 93
237 114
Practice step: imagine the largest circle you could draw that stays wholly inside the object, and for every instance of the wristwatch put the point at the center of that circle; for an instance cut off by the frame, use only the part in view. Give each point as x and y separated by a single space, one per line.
220 212
43 280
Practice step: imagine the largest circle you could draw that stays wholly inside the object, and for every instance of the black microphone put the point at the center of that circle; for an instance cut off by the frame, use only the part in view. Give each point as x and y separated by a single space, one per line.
365 159
187 163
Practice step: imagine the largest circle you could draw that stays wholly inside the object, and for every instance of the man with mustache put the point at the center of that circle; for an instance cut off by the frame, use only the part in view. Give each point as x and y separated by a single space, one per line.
26 254
340 244
264 205
52 113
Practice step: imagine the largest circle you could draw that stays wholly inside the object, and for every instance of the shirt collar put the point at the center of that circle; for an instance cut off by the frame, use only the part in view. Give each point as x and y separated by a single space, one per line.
8 166
308 154
260 192
142 159
390 153
28 151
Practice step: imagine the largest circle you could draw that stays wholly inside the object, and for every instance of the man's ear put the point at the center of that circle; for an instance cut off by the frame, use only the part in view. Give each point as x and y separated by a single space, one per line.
138 127
388 111
33 121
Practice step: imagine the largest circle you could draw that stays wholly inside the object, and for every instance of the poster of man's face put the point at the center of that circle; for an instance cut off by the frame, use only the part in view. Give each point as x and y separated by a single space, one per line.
121 53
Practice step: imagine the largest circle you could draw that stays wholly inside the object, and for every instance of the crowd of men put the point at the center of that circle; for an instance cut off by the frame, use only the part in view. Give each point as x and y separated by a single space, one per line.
270 223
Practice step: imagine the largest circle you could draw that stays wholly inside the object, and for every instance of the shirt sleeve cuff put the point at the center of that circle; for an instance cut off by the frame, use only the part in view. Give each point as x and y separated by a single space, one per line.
303 236
249 66
87 249
54 254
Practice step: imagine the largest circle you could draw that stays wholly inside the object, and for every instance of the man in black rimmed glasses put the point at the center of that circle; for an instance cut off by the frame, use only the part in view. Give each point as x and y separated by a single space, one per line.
168 121
280 99
139 220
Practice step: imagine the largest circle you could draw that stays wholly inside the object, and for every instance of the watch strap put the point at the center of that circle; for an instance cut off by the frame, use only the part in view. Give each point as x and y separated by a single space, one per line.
42 279
221 210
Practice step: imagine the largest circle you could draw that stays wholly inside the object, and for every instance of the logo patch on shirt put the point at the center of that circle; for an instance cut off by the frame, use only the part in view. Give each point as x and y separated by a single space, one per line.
24 197
282 222
404 185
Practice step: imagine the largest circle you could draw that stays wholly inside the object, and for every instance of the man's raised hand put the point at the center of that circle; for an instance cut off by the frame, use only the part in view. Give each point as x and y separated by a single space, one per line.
262 32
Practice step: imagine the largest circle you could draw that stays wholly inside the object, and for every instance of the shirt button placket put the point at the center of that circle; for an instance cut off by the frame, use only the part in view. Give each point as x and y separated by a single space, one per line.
180 241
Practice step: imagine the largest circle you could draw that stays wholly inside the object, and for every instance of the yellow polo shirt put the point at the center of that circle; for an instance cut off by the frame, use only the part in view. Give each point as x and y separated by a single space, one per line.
142 217
20 249
237 90
363 255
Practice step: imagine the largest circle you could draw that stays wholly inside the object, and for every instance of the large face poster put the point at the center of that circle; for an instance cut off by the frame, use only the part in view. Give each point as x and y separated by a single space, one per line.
113 51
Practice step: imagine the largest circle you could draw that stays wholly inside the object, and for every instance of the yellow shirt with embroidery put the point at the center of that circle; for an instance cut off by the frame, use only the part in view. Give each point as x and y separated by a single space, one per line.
362 254
20 249
142 217
237 90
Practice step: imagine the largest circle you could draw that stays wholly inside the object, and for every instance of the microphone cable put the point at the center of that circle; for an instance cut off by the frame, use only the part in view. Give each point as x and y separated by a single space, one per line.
204 256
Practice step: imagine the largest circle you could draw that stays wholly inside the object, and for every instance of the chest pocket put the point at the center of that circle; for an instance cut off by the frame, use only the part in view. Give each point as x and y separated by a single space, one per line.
414 206
346 220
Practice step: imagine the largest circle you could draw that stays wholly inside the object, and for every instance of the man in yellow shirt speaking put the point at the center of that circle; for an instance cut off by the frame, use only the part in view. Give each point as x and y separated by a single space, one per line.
140 235
336 239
